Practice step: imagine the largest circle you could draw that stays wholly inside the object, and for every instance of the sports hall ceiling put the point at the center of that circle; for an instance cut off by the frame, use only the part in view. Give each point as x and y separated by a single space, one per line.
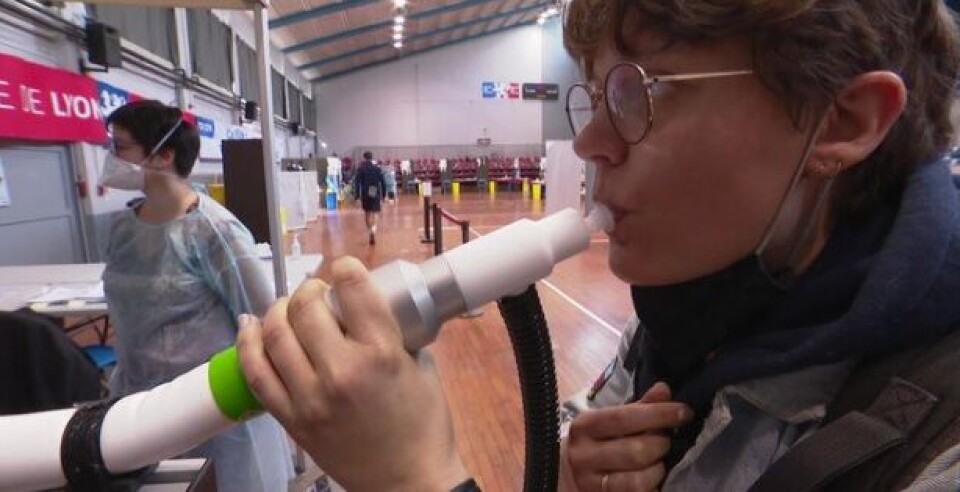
331 38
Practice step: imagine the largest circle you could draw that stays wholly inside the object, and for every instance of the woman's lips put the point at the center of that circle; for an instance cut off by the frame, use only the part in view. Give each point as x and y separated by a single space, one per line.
617 234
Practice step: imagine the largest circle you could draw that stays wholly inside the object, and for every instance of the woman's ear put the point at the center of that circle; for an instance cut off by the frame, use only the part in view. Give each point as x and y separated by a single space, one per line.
858 121
164 160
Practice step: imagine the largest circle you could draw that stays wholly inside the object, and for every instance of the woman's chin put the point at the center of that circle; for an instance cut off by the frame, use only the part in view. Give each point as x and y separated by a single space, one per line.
642 268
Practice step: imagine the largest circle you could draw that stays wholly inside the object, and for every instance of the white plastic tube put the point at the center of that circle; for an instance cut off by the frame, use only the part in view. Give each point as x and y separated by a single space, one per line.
501 263
137 431
509 259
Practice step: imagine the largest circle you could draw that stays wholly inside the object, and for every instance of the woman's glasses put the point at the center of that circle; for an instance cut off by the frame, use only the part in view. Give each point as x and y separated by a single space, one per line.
627 92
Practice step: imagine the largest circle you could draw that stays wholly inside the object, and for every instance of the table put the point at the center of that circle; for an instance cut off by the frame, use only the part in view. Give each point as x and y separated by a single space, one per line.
19 284
180 475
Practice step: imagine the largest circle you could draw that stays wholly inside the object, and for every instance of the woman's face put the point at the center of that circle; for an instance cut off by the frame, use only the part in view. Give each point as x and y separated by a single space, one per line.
699 191
125 147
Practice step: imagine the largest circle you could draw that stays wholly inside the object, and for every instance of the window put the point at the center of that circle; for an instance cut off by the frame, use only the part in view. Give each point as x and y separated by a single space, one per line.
279 94
210 46
309 114
151 28
247 63
293 97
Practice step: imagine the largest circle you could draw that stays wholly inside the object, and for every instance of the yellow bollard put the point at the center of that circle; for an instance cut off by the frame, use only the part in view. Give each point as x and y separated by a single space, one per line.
455 189
525 187
536 190
492 187
283 220
218 193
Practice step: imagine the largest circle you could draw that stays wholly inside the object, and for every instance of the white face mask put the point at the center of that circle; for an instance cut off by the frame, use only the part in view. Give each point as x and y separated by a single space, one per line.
121 174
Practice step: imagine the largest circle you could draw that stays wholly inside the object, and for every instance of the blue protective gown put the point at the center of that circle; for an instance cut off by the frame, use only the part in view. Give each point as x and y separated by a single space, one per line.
174 292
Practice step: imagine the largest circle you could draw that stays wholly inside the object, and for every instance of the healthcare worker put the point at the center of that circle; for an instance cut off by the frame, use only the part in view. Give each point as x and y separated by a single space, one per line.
180 268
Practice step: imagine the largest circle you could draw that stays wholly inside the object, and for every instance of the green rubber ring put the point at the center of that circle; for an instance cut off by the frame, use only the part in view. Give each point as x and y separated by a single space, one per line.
229 387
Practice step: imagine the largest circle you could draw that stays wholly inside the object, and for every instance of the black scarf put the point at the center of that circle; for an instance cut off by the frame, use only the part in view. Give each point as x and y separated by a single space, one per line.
686 326
684 323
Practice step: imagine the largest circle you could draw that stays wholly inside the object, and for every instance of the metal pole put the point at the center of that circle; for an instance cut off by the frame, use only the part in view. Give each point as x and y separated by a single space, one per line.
266 130
426 221
437 231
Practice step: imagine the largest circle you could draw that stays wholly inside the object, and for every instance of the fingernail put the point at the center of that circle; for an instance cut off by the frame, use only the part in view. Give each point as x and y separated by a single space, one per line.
244 320
684 414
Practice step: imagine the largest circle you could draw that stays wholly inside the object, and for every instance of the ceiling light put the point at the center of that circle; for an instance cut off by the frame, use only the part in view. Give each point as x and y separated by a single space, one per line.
399 20
541 20
399 3
398 44
397 27
397 36
552 11
323 144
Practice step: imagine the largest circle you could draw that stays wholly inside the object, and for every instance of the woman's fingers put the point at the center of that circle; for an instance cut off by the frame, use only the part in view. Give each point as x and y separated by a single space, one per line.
366 316
626 453
259 372
315 326
657 393
635 481
626 420
285 351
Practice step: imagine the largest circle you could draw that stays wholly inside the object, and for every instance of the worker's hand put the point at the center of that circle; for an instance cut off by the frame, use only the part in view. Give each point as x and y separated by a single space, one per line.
625 444
369 414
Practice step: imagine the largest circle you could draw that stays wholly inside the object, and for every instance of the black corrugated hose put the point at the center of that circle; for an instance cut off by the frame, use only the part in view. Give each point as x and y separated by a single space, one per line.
527 326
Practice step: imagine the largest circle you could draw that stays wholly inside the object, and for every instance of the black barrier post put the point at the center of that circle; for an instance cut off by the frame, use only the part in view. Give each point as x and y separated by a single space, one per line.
437 231
426 221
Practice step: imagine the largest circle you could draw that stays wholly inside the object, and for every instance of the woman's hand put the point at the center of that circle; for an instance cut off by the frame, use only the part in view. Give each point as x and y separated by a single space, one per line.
369 414
622 448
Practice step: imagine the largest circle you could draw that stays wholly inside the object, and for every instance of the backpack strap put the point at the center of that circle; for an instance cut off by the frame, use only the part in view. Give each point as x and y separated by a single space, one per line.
850 440
881 429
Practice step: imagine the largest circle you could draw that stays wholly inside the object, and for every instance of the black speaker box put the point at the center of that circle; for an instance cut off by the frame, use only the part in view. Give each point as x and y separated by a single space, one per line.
250 110
103 45
295 128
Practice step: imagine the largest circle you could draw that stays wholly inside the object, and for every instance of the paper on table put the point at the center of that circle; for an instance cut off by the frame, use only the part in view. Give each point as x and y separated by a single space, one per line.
13 297
75 292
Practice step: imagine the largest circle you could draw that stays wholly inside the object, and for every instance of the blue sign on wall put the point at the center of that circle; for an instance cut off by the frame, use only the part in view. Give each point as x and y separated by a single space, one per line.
205 127
489 90
111 97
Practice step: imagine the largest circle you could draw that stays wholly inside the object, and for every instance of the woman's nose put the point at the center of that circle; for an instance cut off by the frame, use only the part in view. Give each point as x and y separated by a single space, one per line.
599 142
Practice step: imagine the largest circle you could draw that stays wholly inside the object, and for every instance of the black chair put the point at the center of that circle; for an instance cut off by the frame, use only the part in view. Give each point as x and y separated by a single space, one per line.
41 368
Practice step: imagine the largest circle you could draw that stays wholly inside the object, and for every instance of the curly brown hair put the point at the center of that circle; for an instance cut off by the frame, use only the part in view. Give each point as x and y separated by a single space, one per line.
807 51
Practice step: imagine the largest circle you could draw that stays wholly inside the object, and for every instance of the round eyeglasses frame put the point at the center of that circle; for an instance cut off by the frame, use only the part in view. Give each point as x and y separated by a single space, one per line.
598 94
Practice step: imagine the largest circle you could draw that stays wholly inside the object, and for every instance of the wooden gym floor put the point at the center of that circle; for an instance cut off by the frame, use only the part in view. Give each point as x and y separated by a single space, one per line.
585 305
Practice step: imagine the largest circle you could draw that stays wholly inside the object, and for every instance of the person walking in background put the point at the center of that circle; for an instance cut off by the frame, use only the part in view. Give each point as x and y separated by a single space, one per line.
369 186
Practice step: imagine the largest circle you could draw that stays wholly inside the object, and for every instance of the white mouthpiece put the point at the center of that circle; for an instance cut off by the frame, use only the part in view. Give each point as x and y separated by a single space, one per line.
600 219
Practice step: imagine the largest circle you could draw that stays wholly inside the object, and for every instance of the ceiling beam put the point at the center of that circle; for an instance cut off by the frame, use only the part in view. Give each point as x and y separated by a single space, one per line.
304 15
392 59
313 43
479 20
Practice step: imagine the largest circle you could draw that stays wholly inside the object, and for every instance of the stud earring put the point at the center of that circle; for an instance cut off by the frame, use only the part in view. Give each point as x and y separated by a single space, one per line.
824 168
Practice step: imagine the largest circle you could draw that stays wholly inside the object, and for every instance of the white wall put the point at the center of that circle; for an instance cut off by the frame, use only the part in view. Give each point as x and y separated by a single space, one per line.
20 38
435 98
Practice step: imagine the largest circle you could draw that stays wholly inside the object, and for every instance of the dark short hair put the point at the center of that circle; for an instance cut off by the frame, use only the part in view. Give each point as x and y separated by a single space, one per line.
368 155
806 51
149 120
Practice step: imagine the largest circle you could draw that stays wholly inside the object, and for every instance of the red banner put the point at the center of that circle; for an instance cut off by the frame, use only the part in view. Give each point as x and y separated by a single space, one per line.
47 104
